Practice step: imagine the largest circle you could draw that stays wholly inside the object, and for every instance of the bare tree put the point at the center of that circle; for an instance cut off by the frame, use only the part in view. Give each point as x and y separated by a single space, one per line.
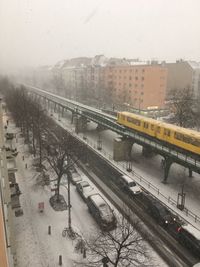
183 106
60 154
121 247
29 116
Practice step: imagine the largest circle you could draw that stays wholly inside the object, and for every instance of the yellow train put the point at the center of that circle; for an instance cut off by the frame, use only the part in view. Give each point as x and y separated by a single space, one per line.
186 139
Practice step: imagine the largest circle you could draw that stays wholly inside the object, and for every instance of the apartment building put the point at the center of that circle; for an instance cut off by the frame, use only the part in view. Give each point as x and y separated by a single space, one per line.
184 74
140 86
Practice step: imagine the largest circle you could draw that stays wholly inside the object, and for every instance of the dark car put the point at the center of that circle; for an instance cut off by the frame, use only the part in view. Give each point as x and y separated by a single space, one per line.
102 212
159 212
84 189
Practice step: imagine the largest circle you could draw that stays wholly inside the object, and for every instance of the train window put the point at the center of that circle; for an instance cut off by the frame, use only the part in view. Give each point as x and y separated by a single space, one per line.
167 132
187 139
134 121
146 125
195 142
158 129
152 127
178 136
123 117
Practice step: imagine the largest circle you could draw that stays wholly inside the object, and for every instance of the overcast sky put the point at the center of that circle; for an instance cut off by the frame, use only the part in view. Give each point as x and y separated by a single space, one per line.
41 32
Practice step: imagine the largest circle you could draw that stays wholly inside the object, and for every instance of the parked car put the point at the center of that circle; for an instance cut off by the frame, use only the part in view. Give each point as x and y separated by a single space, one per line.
101 212
76 178
189 236
84 189
159 212
129 185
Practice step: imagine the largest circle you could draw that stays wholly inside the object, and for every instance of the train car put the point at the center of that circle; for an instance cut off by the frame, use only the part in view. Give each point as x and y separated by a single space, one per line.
186 139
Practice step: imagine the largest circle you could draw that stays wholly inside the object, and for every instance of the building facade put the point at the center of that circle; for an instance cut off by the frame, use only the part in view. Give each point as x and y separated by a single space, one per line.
139 86
182 75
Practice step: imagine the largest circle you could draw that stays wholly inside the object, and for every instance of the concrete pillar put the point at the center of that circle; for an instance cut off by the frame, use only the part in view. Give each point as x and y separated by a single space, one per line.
122 149
80 124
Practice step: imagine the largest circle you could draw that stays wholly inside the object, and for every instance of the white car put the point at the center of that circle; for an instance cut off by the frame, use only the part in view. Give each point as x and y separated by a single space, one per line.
84 189
75 178
128 184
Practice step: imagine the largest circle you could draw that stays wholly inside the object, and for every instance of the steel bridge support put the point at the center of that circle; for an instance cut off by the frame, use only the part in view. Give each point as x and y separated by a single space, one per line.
166 164
147 151
122 149
101 128
74 116
80 124
190 172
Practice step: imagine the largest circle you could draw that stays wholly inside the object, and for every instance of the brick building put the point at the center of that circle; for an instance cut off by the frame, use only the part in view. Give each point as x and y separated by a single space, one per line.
140 86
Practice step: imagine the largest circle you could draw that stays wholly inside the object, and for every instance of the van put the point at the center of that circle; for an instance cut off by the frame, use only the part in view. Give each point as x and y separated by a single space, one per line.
101 212
129 185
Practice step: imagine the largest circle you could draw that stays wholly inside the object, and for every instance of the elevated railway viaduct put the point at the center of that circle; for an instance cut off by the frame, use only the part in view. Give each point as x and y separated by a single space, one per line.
81 114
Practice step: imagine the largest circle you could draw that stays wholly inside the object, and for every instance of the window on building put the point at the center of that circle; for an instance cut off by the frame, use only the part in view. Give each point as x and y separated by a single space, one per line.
136 78
130 84
142 78
130 78
143 70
